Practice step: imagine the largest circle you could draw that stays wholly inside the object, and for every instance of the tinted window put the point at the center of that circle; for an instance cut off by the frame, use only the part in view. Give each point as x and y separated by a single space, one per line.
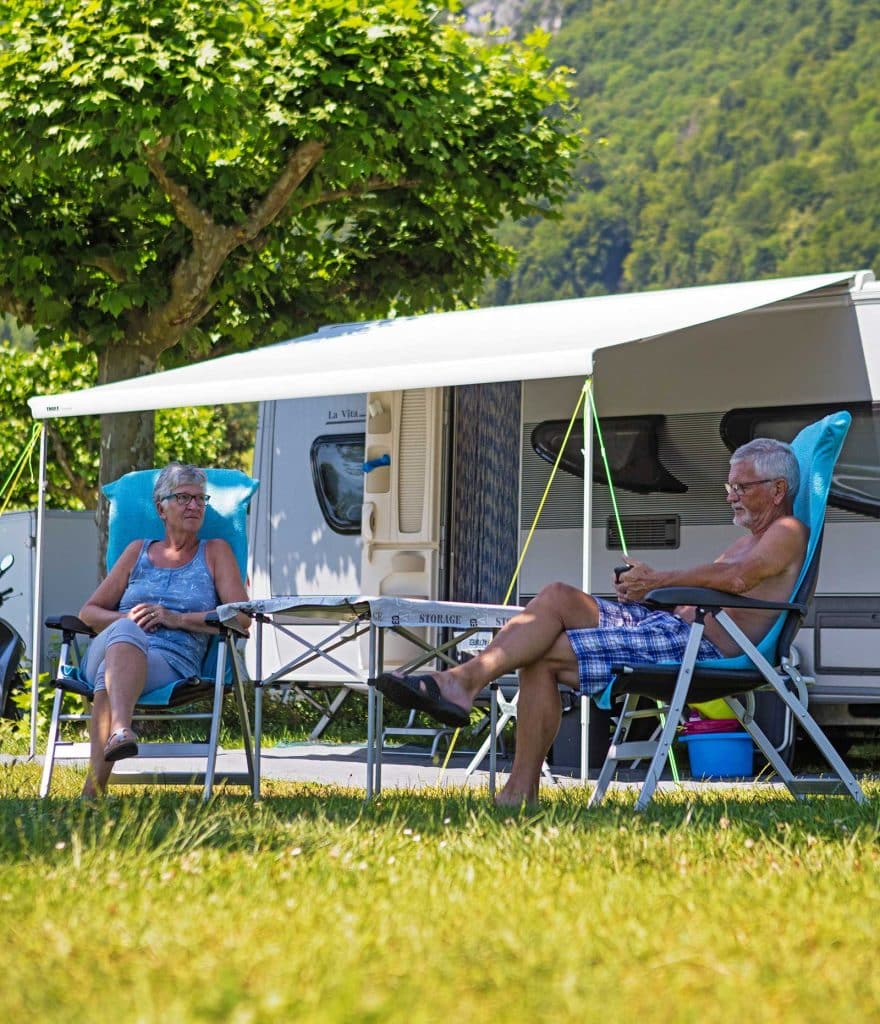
631 446
338 475
856 482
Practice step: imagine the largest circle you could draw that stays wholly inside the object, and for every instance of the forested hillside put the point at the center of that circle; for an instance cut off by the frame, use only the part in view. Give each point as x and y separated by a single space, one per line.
743 141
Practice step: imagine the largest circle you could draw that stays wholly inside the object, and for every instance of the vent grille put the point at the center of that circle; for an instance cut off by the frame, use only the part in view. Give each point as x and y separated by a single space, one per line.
412 461
644 532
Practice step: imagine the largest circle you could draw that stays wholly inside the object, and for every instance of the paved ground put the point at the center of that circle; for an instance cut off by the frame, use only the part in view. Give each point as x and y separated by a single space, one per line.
346 765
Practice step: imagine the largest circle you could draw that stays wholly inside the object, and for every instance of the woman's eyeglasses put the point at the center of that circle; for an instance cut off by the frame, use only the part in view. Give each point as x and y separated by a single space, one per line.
184 499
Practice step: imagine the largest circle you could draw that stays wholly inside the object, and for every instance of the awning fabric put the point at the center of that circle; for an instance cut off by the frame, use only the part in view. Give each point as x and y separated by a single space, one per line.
534 341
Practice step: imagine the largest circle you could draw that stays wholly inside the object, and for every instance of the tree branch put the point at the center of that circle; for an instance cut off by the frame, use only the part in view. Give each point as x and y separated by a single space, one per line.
186 210
191 317
104 263
85 494
194 275
298 165
370 185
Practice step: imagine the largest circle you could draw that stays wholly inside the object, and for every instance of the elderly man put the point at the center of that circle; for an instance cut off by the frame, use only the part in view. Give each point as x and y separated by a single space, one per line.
564 636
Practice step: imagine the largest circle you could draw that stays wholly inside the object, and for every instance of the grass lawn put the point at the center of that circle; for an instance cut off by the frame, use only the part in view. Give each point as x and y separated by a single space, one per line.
432 906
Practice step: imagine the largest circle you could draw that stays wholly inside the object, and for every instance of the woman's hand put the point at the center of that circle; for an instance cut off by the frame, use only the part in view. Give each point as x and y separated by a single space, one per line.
150 616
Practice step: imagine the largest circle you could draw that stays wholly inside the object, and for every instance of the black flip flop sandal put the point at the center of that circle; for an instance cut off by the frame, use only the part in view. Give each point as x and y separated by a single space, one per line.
421 693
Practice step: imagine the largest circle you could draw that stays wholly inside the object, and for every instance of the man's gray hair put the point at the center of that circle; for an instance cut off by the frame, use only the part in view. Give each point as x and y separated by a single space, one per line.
772 460
175 474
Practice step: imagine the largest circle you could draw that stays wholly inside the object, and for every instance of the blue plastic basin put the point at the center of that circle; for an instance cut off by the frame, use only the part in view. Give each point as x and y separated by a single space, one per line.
721 755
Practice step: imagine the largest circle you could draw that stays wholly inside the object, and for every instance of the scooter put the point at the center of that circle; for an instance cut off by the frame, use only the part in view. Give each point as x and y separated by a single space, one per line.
11 653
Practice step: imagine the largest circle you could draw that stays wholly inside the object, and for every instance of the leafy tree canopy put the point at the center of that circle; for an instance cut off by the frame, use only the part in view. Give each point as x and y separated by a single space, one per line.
181 178
741 140
310 160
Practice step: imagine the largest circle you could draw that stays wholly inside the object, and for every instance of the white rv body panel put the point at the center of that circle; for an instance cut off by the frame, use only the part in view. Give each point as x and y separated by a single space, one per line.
818 349
293 548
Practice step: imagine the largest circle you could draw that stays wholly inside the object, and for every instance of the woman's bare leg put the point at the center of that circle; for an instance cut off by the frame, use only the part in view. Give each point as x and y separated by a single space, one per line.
99 730
125 675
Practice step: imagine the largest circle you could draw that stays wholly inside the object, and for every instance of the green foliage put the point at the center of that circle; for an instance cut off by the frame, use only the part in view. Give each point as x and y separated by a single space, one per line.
15 730
257 168
742 140
205 436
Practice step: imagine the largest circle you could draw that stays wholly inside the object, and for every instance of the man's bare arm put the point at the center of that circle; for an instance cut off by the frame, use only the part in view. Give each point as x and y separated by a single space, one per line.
739 570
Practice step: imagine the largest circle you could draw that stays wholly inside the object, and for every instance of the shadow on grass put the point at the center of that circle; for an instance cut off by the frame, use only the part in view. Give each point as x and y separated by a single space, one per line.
162 822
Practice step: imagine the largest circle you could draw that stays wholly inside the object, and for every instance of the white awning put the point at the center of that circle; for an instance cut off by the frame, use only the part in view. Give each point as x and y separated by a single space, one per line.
538 340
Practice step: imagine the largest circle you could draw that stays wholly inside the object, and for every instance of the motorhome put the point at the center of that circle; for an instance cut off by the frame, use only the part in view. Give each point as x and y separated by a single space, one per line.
423 476
367 493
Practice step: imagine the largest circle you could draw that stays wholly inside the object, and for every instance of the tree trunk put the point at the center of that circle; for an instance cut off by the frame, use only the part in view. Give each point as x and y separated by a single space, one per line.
127 439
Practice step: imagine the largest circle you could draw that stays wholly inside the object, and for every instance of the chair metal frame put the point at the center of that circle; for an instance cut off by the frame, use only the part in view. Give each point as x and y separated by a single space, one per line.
223 672
214 686
675 686
695 685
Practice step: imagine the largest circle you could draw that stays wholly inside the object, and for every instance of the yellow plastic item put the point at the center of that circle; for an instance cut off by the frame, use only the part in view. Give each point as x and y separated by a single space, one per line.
714 709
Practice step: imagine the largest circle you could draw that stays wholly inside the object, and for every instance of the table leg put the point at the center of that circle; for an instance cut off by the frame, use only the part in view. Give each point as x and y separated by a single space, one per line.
372 701
258 709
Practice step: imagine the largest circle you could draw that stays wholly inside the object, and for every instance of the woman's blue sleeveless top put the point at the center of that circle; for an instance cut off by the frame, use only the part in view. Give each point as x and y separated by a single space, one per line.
189 588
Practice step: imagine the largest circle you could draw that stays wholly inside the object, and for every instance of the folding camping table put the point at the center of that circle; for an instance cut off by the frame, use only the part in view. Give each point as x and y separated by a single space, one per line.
434 628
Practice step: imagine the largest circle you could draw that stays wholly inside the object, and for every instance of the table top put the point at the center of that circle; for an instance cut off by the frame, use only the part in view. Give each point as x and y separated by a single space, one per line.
385 611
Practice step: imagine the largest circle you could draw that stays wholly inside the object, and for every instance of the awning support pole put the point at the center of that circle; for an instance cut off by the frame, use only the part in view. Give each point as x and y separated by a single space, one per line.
587 555
37 635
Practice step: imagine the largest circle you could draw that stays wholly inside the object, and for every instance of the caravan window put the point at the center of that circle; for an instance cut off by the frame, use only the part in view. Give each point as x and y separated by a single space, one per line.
631 445
338 474
855 485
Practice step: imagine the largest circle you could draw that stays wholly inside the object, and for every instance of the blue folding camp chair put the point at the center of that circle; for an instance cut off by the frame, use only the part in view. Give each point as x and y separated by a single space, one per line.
133 516
767 665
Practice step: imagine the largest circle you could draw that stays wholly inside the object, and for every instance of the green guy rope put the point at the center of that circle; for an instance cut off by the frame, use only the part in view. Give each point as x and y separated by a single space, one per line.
673 764
18 467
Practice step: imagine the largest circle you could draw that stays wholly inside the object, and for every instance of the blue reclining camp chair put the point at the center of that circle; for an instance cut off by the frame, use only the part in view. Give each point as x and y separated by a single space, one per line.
133 516
766 665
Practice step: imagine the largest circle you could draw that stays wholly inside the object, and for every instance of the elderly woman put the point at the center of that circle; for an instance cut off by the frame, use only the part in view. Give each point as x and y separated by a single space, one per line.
149 614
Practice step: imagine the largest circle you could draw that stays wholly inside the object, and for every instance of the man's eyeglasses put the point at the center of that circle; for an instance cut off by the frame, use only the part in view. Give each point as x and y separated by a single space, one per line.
184 499
740 489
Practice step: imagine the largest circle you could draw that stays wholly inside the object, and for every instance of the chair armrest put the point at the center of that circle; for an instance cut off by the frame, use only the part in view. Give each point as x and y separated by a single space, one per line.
69 624
213 619
669 597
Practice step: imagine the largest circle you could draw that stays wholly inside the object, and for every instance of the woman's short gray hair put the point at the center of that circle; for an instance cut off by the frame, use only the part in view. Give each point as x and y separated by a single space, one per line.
175 474
772 460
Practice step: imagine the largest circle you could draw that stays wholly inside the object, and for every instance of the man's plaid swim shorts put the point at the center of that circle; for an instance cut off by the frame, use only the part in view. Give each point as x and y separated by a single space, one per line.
630 633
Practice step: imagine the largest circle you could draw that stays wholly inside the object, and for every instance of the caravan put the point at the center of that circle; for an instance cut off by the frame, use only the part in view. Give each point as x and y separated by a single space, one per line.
364 493
422 476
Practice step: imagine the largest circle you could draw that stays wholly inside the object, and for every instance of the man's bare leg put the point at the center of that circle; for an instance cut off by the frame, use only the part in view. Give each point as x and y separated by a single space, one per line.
539 712
526 640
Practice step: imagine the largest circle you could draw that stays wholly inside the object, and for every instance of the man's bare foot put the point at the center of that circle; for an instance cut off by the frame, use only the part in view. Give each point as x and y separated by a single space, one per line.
422 692
513 798
95 785
452 689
